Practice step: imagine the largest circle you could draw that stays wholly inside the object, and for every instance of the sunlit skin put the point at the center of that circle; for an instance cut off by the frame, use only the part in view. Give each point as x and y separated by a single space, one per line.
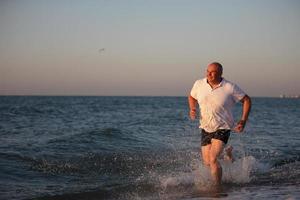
211 152
213 75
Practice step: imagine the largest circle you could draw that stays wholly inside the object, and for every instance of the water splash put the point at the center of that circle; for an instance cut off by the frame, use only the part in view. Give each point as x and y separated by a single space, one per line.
238 172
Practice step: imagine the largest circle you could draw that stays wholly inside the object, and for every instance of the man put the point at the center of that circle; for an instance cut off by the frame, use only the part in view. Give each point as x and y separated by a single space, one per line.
216 97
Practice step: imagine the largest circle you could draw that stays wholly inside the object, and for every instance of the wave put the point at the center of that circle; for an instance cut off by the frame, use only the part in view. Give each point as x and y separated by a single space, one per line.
123 164
243 170
34 110
189 185
86 135
156 177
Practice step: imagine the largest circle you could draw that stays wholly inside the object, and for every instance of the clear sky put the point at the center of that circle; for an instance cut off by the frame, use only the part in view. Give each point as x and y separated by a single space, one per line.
141 47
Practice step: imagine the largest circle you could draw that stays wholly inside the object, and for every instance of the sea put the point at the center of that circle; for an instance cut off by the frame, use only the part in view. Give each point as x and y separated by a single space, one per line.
120 147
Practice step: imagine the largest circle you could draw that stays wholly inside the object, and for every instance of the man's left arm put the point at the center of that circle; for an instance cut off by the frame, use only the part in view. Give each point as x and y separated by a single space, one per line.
246 101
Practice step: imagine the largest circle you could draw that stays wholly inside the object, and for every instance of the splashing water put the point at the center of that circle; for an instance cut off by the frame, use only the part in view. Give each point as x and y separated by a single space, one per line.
237 172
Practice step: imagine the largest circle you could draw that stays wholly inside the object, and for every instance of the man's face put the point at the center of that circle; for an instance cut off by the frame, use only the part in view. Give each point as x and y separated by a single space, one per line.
213 73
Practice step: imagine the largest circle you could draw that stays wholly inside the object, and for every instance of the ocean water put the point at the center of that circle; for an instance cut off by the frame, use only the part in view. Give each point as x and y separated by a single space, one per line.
140 148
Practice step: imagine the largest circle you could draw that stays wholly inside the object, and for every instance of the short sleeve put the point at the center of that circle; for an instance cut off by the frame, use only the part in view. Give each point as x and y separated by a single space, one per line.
194 90
238 93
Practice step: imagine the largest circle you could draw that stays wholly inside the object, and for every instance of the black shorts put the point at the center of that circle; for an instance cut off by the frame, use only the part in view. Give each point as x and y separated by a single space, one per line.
221 134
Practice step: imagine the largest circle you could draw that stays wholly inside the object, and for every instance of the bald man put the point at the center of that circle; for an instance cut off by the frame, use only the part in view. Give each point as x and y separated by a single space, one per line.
216 97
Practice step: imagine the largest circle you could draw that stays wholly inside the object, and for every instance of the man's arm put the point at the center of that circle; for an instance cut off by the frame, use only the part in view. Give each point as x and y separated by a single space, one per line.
193 107
246 101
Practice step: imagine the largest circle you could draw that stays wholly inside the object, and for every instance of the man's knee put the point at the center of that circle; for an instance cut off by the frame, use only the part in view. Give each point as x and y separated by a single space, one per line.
213 160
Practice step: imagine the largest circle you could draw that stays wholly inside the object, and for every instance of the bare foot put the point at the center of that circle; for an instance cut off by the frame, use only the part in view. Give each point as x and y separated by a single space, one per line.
228 154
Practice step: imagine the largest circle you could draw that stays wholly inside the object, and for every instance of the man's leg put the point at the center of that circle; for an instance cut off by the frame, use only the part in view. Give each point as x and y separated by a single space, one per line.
205 146
228 154
215 167
205 150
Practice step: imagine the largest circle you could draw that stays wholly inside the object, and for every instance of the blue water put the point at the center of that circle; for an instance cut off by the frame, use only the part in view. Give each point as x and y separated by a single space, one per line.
140 148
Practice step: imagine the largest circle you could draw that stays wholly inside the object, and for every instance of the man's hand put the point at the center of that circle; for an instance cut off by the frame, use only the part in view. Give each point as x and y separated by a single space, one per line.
193 114
240 126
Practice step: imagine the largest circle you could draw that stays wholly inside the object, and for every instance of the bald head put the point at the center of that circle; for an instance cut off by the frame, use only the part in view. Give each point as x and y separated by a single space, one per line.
214 73
218 65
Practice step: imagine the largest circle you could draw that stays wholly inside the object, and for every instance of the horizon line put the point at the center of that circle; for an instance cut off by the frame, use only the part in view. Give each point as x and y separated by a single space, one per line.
79 95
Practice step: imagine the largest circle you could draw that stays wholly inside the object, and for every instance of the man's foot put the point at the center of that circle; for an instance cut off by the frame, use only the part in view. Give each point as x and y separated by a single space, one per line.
228 154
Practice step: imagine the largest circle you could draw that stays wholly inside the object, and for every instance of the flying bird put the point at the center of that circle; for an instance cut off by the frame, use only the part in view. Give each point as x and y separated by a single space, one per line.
100 50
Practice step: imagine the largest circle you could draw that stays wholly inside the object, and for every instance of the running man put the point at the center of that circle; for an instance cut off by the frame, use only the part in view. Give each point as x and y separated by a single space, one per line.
216 97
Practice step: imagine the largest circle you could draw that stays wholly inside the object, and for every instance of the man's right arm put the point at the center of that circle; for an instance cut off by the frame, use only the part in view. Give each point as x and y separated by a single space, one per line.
246 100
193 107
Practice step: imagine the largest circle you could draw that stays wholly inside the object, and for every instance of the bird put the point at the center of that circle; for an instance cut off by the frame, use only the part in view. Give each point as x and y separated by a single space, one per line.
100 50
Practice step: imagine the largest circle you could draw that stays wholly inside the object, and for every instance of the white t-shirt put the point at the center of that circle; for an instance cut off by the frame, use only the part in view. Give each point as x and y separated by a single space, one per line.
216 104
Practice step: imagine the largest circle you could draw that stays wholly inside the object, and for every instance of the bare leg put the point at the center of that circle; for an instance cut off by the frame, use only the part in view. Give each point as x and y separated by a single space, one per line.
215 167
205 150
228 154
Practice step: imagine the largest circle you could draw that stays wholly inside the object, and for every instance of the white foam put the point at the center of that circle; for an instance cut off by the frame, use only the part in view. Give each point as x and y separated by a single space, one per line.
237 172
179 180
240 170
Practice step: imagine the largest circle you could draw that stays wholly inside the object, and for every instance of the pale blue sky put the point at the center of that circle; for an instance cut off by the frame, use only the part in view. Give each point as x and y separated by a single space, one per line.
151 47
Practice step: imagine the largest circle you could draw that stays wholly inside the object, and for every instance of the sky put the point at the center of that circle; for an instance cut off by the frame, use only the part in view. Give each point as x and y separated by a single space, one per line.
147 48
